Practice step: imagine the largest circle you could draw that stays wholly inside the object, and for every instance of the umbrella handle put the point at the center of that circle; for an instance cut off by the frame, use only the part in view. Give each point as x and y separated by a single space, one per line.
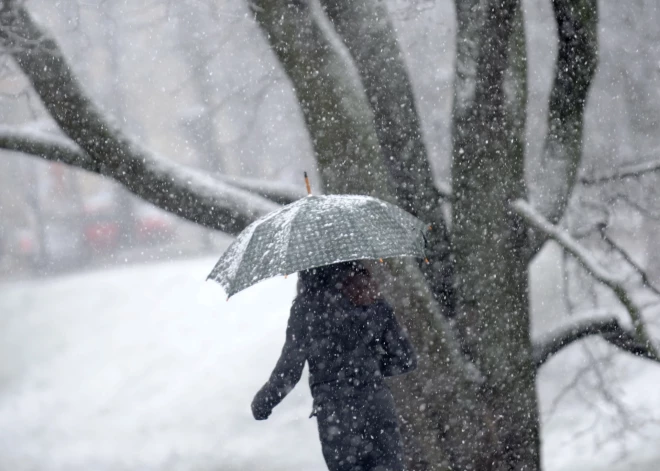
309 187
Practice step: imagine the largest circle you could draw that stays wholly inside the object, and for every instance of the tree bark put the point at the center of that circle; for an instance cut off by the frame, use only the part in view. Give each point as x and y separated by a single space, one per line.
333 104
488 237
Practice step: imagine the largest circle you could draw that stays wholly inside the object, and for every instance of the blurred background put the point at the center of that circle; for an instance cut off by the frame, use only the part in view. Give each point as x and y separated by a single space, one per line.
102 303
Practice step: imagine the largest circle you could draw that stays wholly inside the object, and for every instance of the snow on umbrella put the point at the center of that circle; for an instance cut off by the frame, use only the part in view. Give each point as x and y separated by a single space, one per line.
316 231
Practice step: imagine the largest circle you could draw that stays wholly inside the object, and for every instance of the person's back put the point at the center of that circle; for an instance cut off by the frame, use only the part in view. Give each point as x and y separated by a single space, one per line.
351 340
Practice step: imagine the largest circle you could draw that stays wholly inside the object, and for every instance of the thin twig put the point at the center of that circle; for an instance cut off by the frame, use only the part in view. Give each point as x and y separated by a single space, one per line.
626 256
629 171
587 261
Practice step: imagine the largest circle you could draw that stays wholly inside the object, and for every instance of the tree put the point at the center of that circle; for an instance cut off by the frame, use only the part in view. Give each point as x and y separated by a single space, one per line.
472 403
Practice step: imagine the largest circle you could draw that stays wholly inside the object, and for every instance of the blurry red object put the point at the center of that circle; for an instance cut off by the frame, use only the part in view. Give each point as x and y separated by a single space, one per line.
102 235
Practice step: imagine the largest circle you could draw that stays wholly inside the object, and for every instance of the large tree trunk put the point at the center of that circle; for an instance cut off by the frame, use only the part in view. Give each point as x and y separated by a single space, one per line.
368 33
441 394
488 237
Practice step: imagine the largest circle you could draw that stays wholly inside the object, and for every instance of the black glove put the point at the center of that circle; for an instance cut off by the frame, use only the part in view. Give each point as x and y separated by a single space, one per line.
260 406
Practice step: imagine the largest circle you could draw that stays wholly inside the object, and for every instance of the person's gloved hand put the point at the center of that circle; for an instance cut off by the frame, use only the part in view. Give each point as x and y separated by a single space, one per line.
260 407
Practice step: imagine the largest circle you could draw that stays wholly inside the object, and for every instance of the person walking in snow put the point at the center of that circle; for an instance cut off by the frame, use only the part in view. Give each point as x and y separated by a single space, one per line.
351 340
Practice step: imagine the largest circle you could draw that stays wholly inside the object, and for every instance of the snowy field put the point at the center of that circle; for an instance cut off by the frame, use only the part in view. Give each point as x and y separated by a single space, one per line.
148 367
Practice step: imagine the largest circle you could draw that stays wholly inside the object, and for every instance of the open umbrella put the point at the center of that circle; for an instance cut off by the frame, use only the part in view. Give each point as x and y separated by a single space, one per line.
316 231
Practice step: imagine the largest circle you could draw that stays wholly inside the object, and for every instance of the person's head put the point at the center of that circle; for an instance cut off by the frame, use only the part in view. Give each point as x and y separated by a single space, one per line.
352 279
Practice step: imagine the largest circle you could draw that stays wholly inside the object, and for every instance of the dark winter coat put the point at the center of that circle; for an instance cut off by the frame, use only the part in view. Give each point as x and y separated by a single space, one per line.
350 349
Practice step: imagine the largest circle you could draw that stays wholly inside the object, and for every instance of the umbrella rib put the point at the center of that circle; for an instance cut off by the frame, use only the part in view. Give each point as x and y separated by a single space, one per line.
364 237
406 228
236 277
288 239
409 228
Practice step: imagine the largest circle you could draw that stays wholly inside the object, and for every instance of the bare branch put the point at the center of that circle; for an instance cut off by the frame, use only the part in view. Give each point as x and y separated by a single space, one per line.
608 329
586 260
184 192
623 173
626 256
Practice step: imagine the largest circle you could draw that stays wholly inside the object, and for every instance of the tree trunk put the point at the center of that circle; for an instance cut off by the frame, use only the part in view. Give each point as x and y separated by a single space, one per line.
441 395
488 237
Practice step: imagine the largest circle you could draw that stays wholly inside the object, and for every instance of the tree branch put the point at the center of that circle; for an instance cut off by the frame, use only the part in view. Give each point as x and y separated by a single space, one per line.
56 148
184 192
586 260
628 258
625 172
577 59
47 146
608 329
333 104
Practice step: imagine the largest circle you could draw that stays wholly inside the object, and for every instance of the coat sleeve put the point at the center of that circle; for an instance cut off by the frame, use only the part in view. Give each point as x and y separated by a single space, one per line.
399 356
288 369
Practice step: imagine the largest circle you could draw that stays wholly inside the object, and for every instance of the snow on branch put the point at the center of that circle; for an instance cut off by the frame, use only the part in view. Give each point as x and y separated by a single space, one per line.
229 201
591 265
181 191
57 148
45 145
608 329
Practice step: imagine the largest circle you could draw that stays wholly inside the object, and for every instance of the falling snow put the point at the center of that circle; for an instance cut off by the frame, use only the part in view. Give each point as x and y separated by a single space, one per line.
502 157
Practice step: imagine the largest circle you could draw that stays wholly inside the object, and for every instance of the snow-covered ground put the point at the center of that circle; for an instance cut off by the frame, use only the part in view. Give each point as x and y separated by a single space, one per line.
148 367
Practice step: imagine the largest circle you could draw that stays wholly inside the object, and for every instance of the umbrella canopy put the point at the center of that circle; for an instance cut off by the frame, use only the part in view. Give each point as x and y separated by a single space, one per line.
316 231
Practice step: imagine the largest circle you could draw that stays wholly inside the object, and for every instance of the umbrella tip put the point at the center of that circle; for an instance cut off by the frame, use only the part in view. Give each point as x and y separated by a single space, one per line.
309 187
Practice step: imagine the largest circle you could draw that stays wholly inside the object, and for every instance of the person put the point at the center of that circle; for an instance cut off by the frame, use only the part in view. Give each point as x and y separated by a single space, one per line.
351 340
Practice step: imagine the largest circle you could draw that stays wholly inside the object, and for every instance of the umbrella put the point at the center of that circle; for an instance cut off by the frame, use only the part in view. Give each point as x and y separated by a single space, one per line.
316 231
